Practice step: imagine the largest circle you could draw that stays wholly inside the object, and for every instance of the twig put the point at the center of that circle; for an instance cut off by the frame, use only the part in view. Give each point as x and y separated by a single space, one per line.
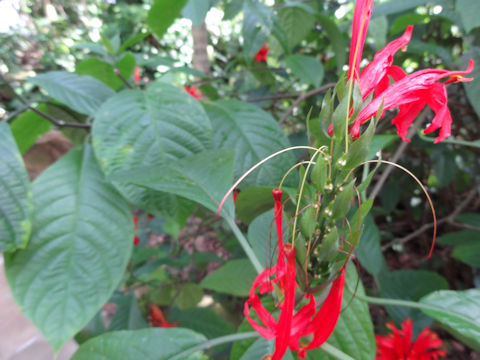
59 123
274 97
450 219
121 77
403 146
303 97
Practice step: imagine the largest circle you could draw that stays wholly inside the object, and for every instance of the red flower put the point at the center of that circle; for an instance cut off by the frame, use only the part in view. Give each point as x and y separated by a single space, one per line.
361 18
376 74
194 91
261 55
158 319
399 346
136 75
411 94
292 326
136 239
235 195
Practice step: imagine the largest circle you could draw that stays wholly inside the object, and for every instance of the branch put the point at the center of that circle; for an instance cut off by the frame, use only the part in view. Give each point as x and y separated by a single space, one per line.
303 97
450 219
398 154
121 77
57 122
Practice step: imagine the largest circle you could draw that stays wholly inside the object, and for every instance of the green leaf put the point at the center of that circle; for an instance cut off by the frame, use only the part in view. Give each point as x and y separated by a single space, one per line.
148 344
127 314
15 196
188 296
297 22
377 30
80 244
444 165
196 10
82 93
380 142
354 331
202 320
232 8
469 254
162 14
253 201
307 68
465 305
132 40
105 72
203 178
472 88
28 127
258 20
149 128
235 278
337 40
254 135
259 349
409 285
468 13
368 250
394 7
463 237
262 236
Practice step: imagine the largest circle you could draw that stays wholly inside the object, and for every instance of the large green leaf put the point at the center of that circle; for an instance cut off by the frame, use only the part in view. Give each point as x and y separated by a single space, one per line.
196 10
306 68
354 331
149 128
15 195
82 93
368 250
235 278
105 72
28 127
297 21
80 244
409 285
148 344
468 10
472 88
394 7
262 236
254 135
337 40
202 320
127 314
464 307
162 14
258 20
203 178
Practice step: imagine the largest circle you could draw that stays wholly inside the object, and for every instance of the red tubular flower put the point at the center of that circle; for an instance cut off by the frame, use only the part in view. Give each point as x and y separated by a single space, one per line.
136 75
194 91
235 195
261 55
361 18
158 319
399 346
376 74
291 326
136 239
411 94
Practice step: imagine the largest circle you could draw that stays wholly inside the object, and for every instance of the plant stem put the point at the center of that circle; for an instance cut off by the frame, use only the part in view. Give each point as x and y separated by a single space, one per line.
245 245
333 351
215 342
414 305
